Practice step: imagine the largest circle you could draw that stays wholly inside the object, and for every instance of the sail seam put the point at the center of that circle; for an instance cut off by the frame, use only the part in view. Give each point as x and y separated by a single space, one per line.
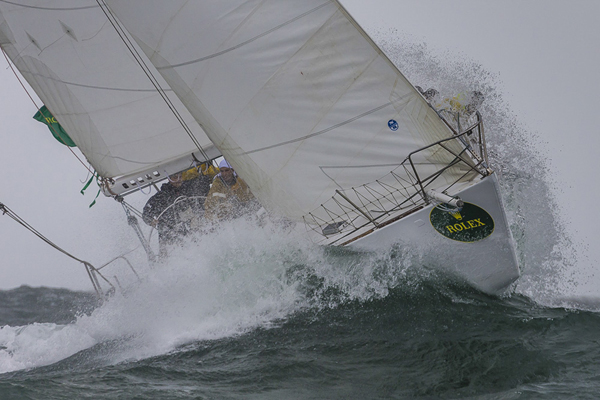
237 46
320 132
92 86
49 8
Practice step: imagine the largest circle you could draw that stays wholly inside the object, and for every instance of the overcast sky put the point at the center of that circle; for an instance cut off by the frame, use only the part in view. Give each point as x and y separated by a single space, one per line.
545 52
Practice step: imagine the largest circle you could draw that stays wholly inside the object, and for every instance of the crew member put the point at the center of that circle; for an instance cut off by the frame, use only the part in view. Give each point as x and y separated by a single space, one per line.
177 208
229 197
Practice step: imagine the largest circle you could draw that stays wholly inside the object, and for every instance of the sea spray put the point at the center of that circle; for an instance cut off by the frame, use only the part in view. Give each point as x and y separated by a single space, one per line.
239 278
517 154
37 344
211 287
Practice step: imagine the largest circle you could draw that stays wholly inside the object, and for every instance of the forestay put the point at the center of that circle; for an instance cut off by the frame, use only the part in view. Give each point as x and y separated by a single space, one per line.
81 69
294 94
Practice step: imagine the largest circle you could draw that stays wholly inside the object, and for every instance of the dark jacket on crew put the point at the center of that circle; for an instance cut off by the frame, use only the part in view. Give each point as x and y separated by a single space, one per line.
177 220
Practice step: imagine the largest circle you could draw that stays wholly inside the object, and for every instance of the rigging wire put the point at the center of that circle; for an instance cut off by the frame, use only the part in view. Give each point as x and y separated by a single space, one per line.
91 270
138 58
178 200
131 208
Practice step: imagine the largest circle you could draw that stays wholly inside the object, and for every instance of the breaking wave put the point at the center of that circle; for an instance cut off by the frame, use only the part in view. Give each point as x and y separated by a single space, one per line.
243 277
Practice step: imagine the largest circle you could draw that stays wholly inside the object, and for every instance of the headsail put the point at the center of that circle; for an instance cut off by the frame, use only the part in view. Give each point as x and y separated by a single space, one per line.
81 69
295 95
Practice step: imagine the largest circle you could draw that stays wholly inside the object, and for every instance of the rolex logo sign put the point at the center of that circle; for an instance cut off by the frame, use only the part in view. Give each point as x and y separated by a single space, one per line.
456 214
470 224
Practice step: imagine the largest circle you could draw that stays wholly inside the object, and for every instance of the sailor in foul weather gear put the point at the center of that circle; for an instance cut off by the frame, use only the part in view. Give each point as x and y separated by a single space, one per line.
177 209
229 197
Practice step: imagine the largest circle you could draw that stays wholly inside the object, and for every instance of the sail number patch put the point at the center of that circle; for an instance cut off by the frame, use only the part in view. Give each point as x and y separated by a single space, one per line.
470 224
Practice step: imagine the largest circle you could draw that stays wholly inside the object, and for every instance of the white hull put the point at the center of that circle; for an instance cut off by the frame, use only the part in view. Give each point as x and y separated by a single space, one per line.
489 264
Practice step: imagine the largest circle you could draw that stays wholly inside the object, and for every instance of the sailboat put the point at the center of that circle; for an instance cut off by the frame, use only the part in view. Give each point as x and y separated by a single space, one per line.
323 127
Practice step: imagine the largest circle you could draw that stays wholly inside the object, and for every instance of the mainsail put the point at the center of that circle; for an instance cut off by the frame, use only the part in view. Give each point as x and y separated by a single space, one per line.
297 97
99 90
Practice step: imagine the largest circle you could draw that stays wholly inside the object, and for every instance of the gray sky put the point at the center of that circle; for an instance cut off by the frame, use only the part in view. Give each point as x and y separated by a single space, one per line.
545 52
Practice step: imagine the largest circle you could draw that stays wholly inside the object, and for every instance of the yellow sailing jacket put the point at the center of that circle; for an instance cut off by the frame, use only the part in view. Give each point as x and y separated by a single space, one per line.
226 202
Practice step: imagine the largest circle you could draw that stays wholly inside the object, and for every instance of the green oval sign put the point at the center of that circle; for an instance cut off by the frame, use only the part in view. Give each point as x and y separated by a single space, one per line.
470 224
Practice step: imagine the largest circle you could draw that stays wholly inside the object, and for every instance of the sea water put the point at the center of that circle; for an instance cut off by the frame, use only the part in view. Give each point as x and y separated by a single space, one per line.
297 335
259 312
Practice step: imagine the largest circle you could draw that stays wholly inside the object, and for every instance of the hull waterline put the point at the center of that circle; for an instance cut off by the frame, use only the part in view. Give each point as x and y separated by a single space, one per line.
485 257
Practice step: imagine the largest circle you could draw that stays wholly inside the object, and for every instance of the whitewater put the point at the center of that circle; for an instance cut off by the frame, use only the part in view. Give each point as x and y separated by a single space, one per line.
259 312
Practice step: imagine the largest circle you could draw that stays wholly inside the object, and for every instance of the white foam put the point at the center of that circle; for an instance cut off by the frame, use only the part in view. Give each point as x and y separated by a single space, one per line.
234 280
551 265
226 284
39 344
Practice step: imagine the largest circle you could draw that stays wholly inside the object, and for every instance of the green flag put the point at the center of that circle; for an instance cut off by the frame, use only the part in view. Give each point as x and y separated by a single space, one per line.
57 131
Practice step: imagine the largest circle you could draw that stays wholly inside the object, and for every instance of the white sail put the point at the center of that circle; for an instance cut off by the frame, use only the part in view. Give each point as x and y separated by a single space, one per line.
308 110
294 94
81 69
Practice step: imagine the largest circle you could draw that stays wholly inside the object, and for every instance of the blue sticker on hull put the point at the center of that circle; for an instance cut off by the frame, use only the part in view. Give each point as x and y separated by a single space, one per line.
393 125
